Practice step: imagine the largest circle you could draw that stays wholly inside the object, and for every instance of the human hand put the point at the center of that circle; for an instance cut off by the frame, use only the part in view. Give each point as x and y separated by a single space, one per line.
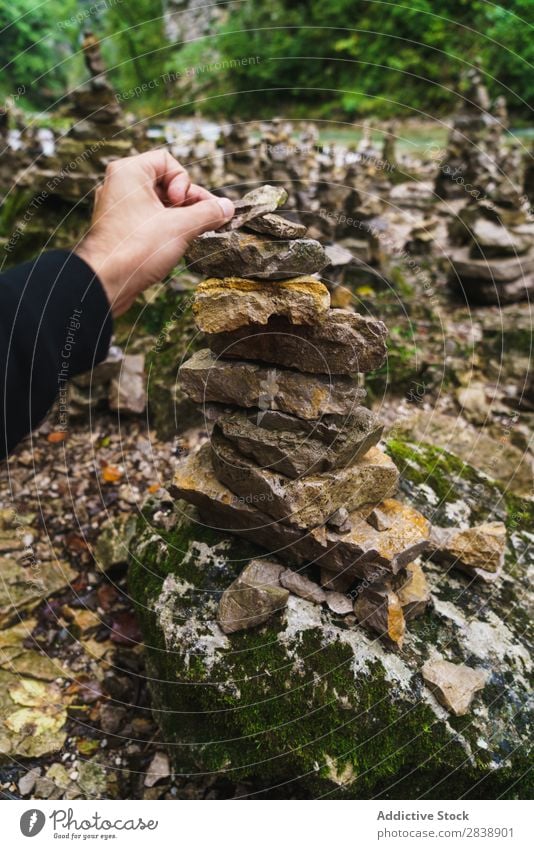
145 215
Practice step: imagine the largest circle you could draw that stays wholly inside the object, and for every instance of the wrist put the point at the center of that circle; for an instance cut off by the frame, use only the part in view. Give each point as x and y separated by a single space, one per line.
98 261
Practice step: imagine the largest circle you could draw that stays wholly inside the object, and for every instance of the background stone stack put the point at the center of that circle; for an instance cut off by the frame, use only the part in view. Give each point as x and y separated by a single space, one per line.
493 262
293 463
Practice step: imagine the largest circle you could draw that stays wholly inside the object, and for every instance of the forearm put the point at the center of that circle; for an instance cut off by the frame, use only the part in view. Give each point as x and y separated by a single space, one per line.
55 323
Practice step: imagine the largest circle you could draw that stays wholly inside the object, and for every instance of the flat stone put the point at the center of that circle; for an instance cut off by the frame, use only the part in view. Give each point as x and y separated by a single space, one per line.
492 239
240 254
310 500
302 586
277 226
246 384
379 608
494 271
481 547
453 684
413 591
252 598
294 447
332 342
232 303
264 199
339 603
362 553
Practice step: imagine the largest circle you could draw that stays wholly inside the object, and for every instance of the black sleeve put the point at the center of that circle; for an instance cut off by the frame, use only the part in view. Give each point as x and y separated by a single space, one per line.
55 322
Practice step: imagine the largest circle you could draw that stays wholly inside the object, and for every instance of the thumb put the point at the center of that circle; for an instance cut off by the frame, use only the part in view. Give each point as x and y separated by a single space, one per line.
205 215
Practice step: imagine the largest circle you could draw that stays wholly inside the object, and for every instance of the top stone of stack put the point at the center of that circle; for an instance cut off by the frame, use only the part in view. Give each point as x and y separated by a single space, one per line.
257 243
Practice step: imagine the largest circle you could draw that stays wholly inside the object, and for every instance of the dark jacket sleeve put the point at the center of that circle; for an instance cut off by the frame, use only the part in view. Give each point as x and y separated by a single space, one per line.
55 322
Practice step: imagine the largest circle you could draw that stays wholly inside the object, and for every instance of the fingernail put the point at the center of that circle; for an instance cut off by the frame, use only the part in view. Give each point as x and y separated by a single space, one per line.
226 206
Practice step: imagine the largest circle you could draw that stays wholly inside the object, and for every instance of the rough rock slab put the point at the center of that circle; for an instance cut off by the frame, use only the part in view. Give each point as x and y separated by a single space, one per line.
277 227
302 586
205 378
253 597
363 552
295 447
259 201
335 342
413 591
499 461
312 499
218 714
379 608
232 302
453 684
240 254
479 548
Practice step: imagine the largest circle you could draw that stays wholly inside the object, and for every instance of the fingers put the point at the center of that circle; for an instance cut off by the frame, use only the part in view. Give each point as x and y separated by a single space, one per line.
156 167
208 214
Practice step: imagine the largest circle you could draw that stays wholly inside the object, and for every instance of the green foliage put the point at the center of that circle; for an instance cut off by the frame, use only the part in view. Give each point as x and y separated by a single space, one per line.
134 44
352 57
36 49
306 58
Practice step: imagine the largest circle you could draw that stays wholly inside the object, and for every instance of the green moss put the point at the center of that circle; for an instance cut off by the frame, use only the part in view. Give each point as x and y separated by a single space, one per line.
281 712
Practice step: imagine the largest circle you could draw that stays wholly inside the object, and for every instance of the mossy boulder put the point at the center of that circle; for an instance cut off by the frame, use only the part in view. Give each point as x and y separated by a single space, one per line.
310 704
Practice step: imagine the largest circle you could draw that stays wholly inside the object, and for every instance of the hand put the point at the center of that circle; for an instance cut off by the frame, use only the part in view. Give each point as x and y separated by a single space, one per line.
145 215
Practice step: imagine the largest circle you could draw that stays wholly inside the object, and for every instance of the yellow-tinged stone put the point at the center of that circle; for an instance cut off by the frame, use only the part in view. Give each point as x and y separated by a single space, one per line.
414 592
223 304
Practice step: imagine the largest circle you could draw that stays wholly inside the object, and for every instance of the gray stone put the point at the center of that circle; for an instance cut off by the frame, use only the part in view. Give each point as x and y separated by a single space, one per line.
340 521
310 500
277 226
495 271
127 392
339 603
205 378
379 520
297 447
235 304
253 598
362 553
302 586
340 342
239 254
257 202
454 684
492 239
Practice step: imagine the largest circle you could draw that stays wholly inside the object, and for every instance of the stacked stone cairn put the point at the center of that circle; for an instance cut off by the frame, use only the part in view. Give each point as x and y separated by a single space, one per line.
493 257
293 463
